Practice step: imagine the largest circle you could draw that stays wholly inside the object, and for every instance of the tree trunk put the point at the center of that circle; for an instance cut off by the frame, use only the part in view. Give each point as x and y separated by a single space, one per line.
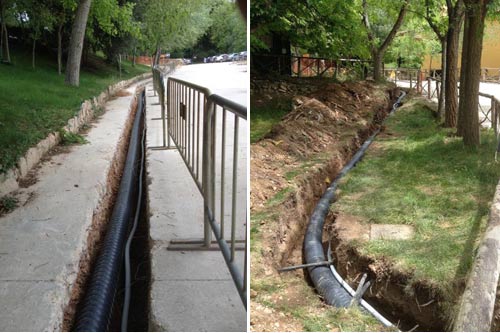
473 38
33 54
76 43
377 67
5 37
133 57
157 56
451 93
378 52
59 49
120 64
461 105
441 102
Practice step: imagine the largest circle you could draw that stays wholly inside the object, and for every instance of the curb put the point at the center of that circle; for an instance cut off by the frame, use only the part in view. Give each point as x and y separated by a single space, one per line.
477 303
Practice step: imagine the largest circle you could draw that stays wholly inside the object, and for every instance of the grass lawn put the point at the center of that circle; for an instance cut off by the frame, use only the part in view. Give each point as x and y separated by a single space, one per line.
264 116
35 102
423 177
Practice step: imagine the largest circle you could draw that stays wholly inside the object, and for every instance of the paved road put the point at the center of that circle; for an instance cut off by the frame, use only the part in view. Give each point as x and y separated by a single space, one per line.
227 79
193 290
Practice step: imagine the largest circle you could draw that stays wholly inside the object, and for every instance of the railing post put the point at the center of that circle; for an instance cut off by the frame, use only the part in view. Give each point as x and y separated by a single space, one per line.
494 114
169 112
419 82
428 87
161 98
208 171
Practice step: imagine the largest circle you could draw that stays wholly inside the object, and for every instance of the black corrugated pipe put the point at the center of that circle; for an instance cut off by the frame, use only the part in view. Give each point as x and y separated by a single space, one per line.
326 284
96 309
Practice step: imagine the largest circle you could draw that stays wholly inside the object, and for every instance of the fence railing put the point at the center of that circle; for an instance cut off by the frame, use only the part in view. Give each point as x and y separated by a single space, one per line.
429 84
204 127
311 66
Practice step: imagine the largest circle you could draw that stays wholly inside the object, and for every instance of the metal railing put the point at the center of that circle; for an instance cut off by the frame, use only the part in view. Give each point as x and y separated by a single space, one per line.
429 85
158 87
201 124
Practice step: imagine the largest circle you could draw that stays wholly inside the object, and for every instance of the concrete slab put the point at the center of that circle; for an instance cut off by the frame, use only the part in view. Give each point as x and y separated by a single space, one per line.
41 243
391 231
198 306
191 290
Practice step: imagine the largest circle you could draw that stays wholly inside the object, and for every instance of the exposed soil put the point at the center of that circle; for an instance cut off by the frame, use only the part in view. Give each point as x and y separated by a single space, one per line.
392 292
328 123
99 221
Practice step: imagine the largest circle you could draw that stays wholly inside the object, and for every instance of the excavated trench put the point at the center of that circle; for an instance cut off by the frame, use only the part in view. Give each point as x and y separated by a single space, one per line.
392 293
404 303
140 264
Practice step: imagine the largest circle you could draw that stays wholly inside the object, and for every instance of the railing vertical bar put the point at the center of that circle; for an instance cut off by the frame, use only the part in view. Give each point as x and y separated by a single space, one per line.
183 122
198 141
179 119
206 169
245 263
168 114
188 157
174 111
214 156
184 93
186 113
193 130
493 115
222 171
235 184
177 104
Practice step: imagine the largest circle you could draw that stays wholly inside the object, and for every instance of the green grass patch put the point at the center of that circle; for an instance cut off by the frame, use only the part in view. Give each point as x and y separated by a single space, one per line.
8 204
279 197
36 102
264 116
68 138
422 177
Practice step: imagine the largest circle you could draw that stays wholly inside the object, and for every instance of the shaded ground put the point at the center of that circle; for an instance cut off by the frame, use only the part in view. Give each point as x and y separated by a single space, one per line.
290 168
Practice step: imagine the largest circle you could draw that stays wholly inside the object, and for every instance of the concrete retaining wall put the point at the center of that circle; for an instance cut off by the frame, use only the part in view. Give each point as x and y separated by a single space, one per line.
478 300
9 181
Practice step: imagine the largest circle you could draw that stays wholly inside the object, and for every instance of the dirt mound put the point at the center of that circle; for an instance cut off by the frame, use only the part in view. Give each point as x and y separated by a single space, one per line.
320 122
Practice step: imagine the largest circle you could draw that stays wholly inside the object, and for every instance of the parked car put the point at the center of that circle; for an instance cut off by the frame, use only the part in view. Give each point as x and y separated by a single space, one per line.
221 58
187 61
234 57
243 55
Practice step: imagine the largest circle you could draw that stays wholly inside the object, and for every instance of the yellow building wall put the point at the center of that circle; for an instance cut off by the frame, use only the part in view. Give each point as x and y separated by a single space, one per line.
491 50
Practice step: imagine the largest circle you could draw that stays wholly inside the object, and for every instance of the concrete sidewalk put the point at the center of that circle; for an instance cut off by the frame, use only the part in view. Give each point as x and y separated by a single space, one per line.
42 242
190 290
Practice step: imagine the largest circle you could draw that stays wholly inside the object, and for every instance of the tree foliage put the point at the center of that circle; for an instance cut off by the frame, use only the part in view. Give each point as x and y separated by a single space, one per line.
228 31
330 28
174 24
